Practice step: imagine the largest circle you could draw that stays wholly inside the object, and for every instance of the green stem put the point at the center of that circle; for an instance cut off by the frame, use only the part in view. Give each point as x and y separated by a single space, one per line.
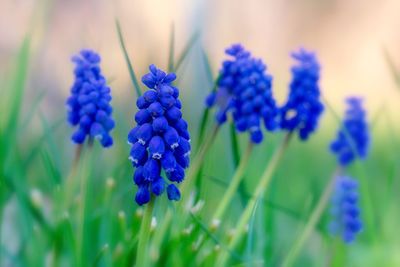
85 172
233 185
262 185
144 236
314 218
195 167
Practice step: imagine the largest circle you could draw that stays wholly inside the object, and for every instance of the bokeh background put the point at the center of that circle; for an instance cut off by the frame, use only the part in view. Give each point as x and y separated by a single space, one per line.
351 39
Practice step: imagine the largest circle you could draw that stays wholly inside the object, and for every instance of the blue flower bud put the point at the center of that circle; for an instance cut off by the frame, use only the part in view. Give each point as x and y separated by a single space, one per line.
141 103
170 77
167 101
177 175
160 124
173 192
173 114
144 133
148 80
178 103
137 154
182 159
166 90
171 137
86 122
220 116
256 136
151 170
142 116
138 177
180 126
142 196
79 136
175 94
156 147
150 96
210 100
106 140
168 161
96 130
158 186
184 147
132 135
156 109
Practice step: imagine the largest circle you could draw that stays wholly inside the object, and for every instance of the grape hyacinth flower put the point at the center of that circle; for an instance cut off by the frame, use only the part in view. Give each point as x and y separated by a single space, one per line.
89 103
353 138
345 211
303 107
244 90
161 140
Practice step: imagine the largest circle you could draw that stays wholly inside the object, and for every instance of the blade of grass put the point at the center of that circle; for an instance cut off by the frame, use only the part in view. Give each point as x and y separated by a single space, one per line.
171 49
250 239
213 237
18 85
127 59
394 71
186 50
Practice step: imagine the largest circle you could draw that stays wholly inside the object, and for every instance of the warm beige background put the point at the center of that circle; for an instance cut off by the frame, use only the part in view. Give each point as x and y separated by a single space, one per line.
349 36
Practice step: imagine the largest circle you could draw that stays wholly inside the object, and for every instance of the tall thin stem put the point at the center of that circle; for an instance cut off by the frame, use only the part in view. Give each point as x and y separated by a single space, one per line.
233 185
144 236
314 218
197 163
262 185
84 175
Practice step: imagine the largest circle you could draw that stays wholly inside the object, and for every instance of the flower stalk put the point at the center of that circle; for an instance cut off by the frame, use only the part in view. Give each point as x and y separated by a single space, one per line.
314 218
262 185
233 186
144 235
196 165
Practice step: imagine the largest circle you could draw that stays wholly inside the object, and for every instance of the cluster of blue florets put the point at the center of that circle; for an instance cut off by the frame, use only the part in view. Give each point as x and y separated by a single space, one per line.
303 107
161 140
244 89
89 103
345 211
353 138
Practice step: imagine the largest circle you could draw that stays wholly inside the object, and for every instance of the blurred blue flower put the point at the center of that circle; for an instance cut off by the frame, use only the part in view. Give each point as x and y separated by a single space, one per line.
244 90
353 138
345 211
161 140
303 107
89 103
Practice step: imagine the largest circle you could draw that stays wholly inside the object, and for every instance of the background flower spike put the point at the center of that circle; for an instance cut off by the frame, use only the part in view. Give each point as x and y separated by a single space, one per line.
303 107
244 90
89 106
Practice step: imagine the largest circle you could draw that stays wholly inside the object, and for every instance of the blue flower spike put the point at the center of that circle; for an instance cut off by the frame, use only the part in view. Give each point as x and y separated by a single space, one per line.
244 91
160 141
89 103
304 107
345 212
353 138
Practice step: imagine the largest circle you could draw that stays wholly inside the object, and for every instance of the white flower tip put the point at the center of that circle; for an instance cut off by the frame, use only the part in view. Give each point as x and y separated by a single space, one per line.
215 224
121 215
36 197
110 182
